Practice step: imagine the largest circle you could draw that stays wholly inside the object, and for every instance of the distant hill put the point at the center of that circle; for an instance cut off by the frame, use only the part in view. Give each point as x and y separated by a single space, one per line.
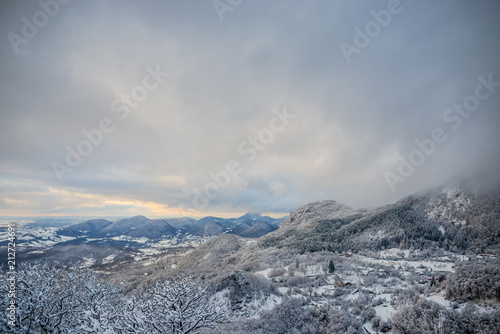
87 227
138 226
257 230
248 226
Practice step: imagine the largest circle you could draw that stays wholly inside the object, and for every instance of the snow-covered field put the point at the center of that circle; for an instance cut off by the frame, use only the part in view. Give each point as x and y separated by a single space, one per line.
437 266
37 237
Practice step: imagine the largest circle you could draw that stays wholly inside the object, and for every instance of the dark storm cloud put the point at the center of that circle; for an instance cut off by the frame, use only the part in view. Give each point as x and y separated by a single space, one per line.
354 121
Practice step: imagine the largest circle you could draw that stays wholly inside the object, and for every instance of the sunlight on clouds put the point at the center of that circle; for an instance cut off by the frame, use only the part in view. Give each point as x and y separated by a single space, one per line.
14 201
100 203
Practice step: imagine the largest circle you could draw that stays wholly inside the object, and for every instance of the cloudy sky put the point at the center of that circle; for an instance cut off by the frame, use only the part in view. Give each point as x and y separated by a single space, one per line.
191 108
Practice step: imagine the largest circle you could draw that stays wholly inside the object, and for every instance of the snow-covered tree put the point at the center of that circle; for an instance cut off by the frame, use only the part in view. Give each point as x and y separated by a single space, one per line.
102 306
181 306
45 304
53 300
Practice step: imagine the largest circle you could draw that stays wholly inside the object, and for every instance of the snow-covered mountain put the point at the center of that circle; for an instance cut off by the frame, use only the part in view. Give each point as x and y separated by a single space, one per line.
452 218
138 226
249 225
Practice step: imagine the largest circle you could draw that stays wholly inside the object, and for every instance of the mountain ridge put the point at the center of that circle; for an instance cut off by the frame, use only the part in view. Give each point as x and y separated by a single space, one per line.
142 227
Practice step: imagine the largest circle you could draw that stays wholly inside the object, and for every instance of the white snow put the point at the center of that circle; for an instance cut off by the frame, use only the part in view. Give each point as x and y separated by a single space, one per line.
264 273
368 326
126 238
438 298
384 311
434 265
87 262
108 259
394 252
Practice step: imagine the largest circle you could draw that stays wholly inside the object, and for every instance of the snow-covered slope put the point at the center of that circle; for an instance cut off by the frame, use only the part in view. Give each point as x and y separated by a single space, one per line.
212 252
452 218
311 213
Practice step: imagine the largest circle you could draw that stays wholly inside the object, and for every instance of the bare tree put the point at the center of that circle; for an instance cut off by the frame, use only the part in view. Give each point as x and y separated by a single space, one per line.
51 300
181 306
45 303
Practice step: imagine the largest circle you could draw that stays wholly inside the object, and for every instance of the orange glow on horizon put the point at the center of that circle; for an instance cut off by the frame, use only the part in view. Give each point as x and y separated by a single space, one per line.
96 205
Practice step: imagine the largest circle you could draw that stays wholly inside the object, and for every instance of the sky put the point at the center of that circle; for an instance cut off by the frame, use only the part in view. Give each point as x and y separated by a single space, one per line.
196 108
